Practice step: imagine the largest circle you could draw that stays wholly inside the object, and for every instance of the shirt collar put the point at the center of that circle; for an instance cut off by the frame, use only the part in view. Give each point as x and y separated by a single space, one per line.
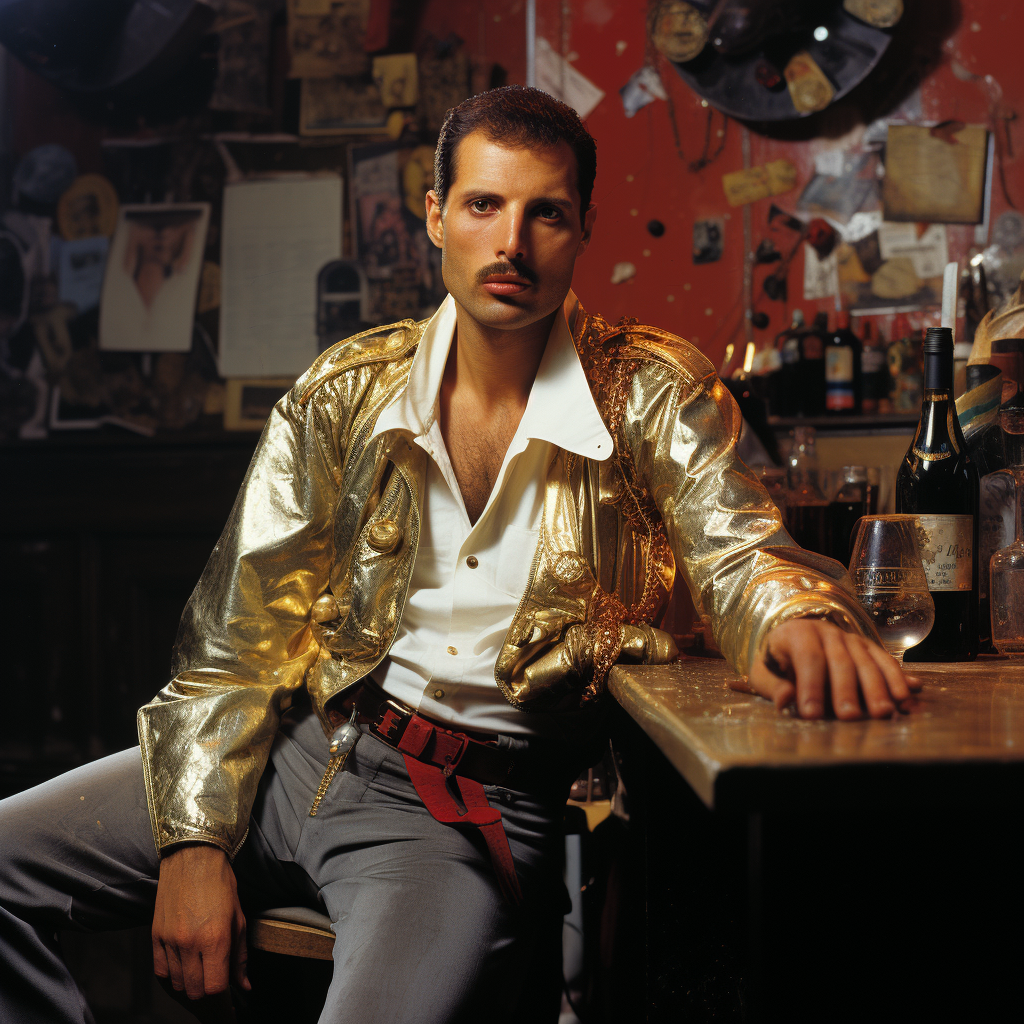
560 409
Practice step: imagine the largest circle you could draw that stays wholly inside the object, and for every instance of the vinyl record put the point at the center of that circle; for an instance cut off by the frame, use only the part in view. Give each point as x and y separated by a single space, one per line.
843 47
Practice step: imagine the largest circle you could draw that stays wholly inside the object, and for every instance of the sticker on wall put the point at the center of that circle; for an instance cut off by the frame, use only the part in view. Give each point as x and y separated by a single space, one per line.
747 186
708 239
643 87
623 272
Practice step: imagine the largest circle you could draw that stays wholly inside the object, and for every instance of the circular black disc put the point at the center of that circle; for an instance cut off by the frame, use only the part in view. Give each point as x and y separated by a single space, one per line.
846 56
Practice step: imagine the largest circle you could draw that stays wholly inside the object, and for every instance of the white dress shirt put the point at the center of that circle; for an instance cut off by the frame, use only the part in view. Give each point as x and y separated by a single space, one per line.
469 578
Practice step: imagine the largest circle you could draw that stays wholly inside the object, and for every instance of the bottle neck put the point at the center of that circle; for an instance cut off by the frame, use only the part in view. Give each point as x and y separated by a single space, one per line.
938 365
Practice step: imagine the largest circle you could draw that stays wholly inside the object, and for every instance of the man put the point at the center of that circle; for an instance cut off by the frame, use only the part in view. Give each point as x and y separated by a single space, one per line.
449 532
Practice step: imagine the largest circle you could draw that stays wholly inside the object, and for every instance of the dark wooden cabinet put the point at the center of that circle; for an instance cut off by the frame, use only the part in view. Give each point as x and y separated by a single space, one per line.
102 538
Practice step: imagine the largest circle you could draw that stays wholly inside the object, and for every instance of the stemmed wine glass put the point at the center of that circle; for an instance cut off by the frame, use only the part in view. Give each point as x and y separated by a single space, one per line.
890 580
1006 568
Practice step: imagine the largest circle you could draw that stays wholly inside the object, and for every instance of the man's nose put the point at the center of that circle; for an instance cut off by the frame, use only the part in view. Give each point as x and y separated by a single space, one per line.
511 241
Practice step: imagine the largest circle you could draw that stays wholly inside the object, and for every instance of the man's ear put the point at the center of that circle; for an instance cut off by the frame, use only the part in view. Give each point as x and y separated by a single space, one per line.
588 226
435 223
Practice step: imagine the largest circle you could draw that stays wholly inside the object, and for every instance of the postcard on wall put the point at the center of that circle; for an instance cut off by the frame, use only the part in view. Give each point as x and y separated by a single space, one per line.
935 174
340 106
276 235
327 39
152 276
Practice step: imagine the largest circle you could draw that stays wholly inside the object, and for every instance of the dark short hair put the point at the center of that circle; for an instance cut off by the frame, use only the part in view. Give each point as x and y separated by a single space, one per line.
515 116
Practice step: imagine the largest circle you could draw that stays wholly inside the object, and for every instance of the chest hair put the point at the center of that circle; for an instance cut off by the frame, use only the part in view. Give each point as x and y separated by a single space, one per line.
476 447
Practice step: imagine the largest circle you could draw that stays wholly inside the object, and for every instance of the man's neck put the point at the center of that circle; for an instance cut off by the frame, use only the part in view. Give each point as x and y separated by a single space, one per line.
496 367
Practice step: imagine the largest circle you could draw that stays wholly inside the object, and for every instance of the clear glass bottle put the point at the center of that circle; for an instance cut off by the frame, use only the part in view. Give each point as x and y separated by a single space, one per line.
806 505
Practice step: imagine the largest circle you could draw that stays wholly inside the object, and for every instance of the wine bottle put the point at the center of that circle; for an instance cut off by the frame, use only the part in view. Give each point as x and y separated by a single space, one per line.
874 372
843 370
938 482
811 368
788 345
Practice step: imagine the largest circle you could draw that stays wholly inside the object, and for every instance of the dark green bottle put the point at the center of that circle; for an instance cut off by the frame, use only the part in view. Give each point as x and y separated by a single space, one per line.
938 482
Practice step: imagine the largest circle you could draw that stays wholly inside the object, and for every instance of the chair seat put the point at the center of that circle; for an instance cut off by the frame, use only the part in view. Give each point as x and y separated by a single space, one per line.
294 931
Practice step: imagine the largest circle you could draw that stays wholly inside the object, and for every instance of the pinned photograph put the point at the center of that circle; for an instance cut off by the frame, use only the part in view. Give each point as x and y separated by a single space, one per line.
152 276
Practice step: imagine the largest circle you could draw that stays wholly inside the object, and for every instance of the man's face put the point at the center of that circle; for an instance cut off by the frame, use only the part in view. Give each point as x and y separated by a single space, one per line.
510 232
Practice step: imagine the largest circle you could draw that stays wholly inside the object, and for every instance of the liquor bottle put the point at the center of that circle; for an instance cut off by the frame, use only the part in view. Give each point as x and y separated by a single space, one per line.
903 355
853 500
938 482
811 369
806 506
787 343
874 373
842 370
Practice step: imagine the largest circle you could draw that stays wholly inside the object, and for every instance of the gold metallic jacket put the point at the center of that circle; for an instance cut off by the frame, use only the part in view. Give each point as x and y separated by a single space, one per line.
308 581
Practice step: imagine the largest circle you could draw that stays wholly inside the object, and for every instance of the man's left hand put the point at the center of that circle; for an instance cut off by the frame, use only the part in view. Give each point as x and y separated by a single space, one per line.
813 664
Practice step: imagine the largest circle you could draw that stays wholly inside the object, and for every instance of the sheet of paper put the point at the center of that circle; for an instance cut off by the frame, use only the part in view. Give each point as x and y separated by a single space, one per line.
929 253
152 275
276 236
557 77
80 270
935 177
821 277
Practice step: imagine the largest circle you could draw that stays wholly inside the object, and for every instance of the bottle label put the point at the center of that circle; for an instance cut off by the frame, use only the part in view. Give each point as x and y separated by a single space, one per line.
946 551
840 399
872 360
839 365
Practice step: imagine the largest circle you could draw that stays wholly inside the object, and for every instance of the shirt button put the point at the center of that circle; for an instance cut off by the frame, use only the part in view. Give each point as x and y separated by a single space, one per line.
452 650
438 694
472 562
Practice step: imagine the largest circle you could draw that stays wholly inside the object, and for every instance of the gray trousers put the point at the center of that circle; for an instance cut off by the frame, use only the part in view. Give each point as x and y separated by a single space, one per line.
423 934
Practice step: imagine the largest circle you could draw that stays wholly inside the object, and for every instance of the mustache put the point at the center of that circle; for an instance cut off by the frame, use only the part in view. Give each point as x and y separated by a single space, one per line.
511 268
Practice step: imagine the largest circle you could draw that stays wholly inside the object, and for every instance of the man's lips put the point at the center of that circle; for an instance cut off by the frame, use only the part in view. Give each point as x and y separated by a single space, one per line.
505 284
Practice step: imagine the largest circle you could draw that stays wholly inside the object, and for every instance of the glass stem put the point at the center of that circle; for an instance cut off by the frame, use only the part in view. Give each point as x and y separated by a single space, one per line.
1018 500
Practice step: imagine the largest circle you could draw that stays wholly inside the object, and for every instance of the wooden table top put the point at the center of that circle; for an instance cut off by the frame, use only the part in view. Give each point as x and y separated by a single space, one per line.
735 749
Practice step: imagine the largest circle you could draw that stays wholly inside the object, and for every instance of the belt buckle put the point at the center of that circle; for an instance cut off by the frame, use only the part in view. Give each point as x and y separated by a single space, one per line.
391 721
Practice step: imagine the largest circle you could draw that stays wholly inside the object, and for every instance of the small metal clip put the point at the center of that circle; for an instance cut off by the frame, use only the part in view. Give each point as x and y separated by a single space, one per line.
344 737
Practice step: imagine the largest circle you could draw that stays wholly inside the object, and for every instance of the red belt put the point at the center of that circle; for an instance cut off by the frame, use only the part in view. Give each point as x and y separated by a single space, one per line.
432 757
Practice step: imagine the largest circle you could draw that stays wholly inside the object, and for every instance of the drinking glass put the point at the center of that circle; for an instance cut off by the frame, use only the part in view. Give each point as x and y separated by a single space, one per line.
889 579
1006 568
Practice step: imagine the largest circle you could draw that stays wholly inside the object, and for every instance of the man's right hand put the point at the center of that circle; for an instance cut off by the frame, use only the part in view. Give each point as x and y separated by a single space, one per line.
198 925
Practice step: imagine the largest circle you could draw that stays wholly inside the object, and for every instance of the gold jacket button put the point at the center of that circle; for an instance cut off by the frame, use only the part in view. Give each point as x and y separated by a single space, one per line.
472 562
439 694
325 609
384 536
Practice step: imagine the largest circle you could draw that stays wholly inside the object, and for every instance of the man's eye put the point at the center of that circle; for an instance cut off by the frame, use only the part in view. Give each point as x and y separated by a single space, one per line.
480 205
549 212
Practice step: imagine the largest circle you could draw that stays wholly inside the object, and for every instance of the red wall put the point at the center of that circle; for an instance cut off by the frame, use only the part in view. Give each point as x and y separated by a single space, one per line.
641 176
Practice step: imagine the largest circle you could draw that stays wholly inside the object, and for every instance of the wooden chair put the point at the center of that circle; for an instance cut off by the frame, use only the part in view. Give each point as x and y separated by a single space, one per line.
293 931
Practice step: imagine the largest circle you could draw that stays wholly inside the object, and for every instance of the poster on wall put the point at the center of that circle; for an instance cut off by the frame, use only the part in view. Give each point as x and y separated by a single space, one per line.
277 233
152 276
403 268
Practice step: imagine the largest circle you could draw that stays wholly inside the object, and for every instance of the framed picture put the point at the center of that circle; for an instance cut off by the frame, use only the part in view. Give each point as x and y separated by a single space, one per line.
341 106
248 401
152 277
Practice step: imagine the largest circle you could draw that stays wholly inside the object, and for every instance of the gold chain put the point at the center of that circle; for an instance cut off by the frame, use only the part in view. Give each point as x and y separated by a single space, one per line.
333 767
609 373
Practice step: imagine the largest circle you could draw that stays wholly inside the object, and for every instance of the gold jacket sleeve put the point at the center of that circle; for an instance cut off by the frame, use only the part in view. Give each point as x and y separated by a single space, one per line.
744 571
244 644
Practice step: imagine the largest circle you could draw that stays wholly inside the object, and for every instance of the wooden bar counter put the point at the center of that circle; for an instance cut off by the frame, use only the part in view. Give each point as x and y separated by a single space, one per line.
733 747
821 870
